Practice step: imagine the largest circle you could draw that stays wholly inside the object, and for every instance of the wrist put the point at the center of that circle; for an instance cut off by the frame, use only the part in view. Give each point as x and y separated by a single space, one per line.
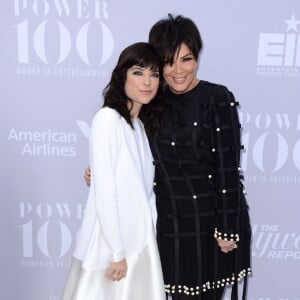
226 236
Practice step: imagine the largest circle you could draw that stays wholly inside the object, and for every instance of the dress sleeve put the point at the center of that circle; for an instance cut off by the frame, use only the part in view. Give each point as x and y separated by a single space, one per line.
105 141
227 146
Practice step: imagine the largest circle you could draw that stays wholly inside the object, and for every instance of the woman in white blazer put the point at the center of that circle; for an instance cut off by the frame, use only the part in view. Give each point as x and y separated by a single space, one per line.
116 255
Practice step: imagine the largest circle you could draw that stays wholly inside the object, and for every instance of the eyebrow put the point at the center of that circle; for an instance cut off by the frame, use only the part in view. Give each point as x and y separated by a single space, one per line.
185 55
152 69
136 67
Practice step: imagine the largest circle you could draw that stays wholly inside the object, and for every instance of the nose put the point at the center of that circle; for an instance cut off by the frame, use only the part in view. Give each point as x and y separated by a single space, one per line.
177 66
147 80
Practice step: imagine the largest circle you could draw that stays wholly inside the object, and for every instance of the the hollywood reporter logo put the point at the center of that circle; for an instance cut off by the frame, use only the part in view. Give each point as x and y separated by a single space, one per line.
32 37
273 127
44 222
270 242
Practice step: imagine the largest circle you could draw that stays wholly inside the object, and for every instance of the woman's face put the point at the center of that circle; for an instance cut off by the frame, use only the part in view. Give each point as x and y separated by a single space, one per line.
141 86
181 75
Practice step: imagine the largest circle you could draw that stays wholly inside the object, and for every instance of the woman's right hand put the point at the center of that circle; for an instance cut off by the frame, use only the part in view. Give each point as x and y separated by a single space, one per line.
87 175
117 270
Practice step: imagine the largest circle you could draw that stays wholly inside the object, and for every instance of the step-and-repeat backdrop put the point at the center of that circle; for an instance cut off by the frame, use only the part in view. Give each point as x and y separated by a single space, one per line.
56 57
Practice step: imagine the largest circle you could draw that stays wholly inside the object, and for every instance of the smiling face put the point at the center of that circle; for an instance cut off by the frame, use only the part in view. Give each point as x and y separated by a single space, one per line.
141 86
180 75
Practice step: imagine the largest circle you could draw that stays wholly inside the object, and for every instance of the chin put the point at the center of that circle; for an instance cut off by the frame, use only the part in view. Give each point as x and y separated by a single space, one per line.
178 90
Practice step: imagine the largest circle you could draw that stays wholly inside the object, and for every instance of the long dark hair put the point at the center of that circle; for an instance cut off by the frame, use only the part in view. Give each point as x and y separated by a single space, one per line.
168 34
143 55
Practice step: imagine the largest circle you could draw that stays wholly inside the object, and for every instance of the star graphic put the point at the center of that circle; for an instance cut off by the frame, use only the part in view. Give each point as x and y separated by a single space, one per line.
292 23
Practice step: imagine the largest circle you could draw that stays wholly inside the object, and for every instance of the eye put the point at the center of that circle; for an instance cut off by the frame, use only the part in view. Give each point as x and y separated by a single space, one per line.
138 73
188 58
155 74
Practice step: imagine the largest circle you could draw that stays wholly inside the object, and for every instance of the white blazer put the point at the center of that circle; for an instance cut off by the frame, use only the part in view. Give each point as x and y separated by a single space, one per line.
120 211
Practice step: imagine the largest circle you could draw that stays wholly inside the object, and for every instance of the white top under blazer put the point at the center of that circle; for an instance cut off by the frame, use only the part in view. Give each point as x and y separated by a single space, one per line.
120 214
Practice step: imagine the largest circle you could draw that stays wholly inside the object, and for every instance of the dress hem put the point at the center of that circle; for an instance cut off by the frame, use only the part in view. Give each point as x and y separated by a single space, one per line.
209 285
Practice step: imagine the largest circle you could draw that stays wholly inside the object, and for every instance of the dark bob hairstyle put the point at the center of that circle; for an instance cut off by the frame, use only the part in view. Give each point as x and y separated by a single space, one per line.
143 55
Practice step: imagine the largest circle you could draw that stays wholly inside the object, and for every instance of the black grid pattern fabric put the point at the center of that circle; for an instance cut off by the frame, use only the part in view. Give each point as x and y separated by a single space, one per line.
199 192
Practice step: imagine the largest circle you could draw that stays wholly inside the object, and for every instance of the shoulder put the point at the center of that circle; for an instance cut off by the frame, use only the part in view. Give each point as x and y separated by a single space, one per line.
105 121
107 115
217 88
220 94
106 124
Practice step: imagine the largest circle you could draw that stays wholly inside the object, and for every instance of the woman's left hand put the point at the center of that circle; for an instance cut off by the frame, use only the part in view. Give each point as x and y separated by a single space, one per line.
117 270
226 246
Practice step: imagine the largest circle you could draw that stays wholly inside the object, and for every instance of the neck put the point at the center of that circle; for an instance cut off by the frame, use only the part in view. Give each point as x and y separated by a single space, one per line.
134 109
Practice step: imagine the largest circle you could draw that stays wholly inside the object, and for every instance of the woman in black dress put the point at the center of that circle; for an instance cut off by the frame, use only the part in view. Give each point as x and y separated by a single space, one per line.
203 228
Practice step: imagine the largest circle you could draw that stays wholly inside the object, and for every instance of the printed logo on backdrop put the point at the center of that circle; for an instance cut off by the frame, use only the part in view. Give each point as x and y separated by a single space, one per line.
46 233
62 38
279 52
50 143
47 228
271 242
272 144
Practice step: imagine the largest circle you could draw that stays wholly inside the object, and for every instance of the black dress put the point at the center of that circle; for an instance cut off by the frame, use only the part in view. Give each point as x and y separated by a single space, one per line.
199 192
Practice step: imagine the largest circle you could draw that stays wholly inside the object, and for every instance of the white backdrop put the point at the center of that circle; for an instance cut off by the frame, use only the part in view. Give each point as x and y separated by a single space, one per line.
56 56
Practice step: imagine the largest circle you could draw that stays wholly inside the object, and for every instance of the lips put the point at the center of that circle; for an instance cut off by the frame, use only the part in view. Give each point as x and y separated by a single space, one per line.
146 92
179 79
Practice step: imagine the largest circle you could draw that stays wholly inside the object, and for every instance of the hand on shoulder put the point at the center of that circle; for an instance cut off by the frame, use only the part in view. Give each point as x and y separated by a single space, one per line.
87 176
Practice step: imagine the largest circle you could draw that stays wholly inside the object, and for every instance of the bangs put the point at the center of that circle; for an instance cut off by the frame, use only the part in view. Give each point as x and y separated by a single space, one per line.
172 48
139 54
169 34
147 61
